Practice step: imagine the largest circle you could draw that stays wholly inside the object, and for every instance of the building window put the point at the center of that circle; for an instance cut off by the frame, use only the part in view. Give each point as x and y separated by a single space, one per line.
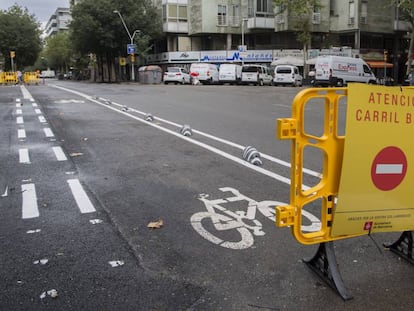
264 8
351 19
364 12
235 15
174 13
250 8
222 15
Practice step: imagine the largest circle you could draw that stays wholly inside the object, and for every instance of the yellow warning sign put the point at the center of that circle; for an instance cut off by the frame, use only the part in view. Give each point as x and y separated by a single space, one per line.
375 191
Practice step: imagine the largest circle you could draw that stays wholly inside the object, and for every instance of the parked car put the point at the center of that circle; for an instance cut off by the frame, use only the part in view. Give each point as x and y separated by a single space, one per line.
256 74
230 73
205 73
287 75
176 75
339 70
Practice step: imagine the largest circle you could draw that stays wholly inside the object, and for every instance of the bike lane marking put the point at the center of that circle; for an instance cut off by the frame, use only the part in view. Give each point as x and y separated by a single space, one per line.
220 219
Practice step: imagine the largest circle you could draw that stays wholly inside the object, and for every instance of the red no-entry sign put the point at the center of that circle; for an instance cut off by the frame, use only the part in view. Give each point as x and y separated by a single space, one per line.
389 168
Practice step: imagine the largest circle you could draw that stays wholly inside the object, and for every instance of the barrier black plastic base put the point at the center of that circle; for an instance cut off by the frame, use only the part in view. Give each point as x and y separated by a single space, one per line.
323 263
403 247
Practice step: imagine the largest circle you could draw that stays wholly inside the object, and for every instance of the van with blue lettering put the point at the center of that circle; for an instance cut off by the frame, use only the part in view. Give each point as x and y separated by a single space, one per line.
339 70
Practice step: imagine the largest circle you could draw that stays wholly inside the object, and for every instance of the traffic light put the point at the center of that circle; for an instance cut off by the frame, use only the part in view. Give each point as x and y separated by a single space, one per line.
12 54
132 58
385 55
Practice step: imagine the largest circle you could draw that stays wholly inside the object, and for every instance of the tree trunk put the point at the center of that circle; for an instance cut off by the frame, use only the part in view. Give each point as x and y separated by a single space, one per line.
410 53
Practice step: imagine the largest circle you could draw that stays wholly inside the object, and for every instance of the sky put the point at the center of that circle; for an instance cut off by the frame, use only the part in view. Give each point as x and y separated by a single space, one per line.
42 9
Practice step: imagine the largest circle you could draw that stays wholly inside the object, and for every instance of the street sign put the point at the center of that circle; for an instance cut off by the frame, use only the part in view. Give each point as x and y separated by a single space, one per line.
375 187
389 168
242 48
131 49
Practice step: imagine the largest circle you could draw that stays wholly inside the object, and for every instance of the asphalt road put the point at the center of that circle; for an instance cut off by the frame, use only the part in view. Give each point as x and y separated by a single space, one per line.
82 183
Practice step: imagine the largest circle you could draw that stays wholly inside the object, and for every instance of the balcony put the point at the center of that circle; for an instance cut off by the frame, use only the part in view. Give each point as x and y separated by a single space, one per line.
261 22
232 21
175 27
400 25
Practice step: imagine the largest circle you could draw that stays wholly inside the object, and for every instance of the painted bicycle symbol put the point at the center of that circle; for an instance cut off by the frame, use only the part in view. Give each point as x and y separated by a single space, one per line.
237 229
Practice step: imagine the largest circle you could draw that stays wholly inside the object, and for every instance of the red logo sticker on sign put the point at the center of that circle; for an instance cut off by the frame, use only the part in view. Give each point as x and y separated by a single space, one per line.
389 168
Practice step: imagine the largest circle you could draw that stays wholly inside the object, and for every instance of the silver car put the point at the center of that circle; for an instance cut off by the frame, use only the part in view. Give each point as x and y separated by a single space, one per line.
176 75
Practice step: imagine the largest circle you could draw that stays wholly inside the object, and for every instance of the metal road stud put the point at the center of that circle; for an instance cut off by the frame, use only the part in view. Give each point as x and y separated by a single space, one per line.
186 130
149 117
252 156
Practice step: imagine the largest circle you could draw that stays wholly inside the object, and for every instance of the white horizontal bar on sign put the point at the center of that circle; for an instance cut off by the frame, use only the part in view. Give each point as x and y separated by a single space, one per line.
389 169
29 202
81 198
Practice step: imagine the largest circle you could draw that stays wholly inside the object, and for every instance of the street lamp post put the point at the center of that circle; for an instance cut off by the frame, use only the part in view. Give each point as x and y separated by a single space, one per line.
131 37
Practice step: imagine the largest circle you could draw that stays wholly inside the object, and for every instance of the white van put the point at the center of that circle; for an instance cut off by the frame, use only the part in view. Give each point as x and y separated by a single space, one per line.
287 75
339 70
230 73
204 72
256 74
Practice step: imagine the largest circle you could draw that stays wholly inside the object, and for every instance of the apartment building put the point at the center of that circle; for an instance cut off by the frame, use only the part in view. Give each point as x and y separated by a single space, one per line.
59 21
368 27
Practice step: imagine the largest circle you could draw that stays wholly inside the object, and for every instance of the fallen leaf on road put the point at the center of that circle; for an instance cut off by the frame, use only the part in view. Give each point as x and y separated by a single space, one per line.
156 224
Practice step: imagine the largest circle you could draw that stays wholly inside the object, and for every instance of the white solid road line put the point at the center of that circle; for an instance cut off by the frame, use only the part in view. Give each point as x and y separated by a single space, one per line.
42 119
81 198
34 105
24 156
48 132
19 111
188 139
60 155
29 204
26 93
37 111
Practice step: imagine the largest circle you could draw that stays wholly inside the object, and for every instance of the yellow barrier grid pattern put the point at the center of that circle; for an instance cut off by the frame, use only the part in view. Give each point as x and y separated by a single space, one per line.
331 146
7 78
11 78
31 78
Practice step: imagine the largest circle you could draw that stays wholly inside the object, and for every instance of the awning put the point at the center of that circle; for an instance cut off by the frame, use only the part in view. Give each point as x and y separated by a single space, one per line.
379 64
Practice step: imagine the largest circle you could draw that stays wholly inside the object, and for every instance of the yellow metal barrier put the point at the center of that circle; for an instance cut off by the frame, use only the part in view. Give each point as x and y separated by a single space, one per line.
331 145
9 78
31 78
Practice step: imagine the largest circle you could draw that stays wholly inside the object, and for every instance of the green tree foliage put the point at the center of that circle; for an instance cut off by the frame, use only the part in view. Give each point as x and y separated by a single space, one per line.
406 12
301 11
95 28
19 32
58 51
